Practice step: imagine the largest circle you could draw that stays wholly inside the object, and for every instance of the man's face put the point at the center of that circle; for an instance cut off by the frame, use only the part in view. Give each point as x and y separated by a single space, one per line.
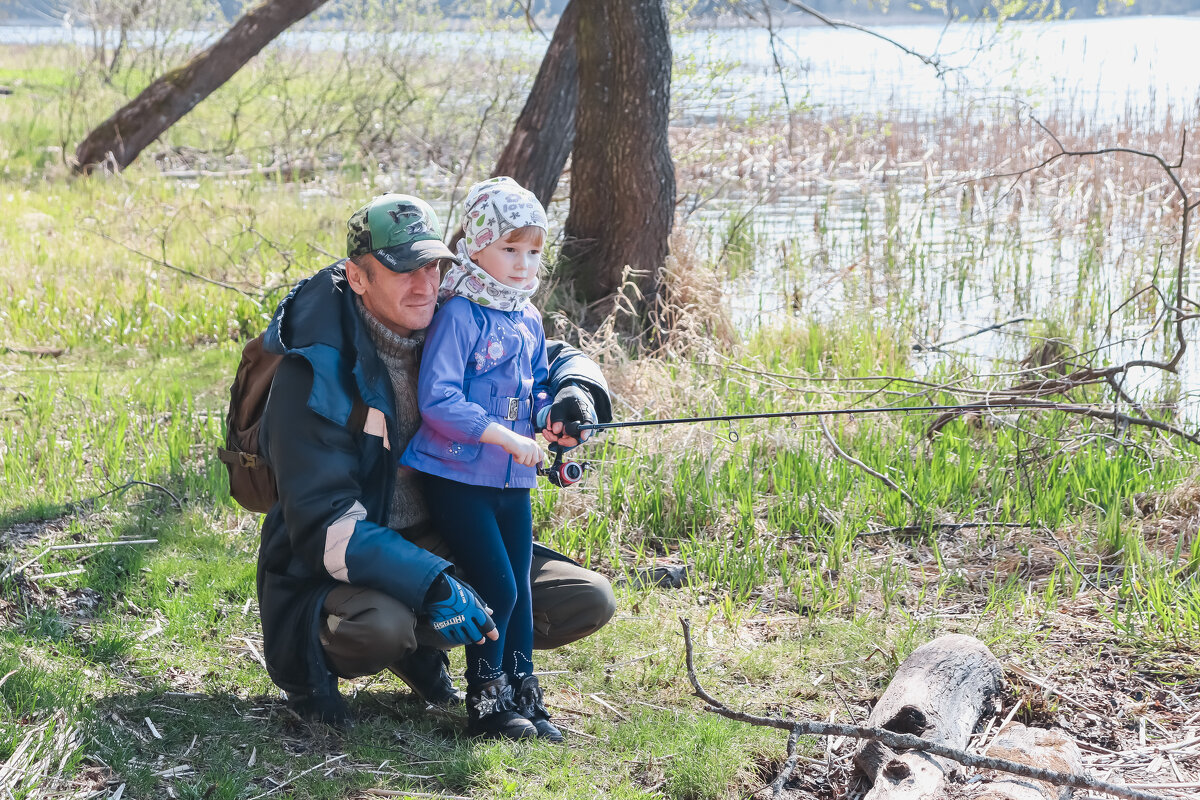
403 301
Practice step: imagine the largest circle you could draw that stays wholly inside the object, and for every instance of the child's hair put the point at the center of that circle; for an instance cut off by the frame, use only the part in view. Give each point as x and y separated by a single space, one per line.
530 233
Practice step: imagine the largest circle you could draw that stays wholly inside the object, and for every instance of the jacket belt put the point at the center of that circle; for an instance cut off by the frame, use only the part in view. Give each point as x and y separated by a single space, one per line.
511 408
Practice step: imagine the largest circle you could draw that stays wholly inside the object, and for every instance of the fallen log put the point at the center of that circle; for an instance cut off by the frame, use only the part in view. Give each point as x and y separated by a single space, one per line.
939 693
1048 749
900 742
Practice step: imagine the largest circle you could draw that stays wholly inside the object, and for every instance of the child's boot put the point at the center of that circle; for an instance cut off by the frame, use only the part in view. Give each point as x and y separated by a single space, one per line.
492 712
529 703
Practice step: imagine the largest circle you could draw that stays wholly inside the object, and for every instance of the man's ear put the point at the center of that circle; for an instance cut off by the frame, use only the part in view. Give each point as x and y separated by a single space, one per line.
356 276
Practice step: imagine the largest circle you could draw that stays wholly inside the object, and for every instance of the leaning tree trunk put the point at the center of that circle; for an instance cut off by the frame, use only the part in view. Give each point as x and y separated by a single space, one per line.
120 138
622 178
541 140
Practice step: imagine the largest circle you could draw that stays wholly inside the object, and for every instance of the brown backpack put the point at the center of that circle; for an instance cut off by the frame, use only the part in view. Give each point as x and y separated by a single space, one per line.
251 482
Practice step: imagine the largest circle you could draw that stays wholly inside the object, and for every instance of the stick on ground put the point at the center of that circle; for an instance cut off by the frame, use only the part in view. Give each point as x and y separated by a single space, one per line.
902 741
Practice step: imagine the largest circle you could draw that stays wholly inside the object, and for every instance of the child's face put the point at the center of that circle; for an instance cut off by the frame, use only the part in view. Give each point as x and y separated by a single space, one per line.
512 263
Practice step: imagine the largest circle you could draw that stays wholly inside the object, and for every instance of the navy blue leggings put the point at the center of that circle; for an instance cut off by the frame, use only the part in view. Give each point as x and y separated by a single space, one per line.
490 532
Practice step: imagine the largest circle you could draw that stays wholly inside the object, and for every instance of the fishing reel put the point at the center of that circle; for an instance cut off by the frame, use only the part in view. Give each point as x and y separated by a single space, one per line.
563 472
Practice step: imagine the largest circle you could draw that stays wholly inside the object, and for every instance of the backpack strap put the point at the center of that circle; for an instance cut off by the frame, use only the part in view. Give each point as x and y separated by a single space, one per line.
358 416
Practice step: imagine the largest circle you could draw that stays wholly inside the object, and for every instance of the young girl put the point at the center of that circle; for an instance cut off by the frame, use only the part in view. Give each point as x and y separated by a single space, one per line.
482 383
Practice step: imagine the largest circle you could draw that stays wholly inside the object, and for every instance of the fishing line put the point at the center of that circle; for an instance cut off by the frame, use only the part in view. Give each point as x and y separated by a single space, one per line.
832 412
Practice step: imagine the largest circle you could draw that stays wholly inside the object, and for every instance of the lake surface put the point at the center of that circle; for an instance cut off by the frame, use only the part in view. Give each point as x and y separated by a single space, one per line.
1106 66
955 271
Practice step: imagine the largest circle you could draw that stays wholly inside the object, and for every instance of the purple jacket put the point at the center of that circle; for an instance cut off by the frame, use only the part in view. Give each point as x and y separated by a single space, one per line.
480 365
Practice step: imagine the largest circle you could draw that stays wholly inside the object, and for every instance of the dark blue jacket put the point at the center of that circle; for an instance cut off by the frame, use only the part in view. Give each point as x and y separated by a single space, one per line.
329 434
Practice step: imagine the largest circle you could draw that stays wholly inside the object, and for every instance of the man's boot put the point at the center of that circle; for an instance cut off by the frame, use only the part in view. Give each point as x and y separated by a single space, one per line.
425 672
492 712
325 705
529 703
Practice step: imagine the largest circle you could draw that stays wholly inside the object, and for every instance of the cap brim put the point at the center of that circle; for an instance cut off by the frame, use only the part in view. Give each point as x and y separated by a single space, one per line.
412 256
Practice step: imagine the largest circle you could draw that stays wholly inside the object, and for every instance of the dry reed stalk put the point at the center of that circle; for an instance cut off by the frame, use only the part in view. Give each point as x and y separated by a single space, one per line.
39 761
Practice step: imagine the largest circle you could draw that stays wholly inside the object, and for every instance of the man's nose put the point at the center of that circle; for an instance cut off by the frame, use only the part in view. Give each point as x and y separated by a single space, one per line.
429 282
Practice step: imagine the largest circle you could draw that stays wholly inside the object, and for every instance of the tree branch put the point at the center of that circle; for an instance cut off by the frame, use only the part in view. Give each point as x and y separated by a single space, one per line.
888 482
902 741
167 265
932 61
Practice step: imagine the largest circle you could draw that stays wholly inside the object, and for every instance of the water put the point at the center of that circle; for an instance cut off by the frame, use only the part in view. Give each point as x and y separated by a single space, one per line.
1063 263
1107 66
819 247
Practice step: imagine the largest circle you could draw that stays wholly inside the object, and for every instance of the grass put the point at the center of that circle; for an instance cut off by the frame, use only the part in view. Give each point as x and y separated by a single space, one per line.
1048 536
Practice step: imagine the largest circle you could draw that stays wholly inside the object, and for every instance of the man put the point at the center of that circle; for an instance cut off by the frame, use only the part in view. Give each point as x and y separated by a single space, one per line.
352 579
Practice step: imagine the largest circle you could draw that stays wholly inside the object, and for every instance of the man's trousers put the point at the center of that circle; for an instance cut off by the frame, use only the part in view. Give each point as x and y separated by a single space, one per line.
364 631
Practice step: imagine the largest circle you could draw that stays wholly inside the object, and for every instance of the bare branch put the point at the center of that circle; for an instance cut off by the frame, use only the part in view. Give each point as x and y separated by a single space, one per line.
888 482
988 329
932 61
1070 408
1186 208
901 741
788 766
168 265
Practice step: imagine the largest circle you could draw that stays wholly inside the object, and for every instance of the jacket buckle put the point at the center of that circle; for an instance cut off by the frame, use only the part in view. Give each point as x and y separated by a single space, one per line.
514 408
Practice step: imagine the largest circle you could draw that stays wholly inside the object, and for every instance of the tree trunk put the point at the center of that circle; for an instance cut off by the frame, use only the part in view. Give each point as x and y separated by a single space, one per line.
120 138
542 138
622 178
939 693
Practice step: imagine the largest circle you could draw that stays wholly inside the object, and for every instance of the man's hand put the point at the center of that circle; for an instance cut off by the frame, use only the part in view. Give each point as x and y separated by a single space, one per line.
459 615
572 407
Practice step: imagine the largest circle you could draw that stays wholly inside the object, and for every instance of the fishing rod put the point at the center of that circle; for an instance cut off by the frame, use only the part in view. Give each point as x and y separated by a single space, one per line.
565 472
832 412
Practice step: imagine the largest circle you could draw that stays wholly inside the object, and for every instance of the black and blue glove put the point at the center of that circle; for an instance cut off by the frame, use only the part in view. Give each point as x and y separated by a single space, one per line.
572 407
456 612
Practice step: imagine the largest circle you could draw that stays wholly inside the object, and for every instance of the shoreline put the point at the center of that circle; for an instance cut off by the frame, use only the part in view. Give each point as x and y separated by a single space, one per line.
784 19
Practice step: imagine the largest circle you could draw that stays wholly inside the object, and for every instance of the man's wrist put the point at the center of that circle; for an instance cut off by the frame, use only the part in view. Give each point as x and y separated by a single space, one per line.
439 590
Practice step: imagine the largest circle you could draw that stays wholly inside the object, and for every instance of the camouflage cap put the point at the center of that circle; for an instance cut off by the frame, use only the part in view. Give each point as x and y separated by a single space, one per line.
400 230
